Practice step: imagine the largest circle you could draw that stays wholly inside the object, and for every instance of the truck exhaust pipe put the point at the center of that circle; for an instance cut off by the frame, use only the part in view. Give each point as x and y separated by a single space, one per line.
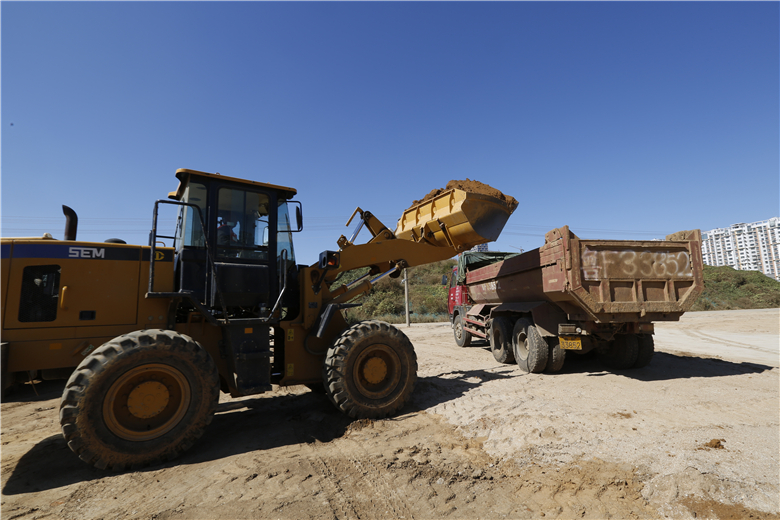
71 223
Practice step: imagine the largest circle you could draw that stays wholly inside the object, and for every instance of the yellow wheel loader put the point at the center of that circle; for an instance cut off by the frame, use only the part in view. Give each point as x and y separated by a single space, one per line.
155 332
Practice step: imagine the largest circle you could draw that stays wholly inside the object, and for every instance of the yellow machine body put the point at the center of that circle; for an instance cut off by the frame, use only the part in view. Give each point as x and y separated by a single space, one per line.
88 293
63 299
149 335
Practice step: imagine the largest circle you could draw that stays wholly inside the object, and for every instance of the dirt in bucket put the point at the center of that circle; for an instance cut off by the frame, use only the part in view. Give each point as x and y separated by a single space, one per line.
470 186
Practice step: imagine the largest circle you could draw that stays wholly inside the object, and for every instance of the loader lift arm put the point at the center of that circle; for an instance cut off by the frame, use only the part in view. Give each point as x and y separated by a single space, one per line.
430 231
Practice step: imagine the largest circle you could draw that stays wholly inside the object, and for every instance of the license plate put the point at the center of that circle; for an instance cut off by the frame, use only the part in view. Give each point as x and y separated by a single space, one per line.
573 343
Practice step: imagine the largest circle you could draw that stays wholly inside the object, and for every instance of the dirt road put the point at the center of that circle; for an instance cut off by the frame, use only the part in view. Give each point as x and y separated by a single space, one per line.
687 436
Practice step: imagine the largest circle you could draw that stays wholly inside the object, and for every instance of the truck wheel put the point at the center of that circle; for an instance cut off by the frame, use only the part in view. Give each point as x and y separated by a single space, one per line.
370 370
529 346
462 338
501 339
139 399
555 355
622 352
646 349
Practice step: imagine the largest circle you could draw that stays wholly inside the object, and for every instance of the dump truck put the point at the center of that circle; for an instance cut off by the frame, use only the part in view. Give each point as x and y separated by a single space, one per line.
149 335
575 296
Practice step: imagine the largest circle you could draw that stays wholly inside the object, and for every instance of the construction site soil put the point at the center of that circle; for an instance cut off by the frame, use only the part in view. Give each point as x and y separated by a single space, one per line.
471 187
689 436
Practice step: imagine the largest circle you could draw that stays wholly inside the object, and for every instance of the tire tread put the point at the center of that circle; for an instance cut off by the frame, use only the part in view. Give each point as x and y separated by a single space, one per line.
335 370
74 399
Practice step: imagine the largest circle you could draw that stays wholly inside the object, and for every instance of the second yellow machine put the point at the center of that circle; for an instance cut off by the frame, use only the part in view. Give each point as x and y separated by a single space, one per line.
156 332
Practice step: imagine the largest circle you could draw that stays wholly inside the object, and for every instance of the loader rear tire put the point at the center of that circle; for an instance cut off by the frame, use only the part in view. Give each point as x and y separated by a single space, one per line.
501 340
370 370
529 346
622 352
555 355
462 338
139 399
646 350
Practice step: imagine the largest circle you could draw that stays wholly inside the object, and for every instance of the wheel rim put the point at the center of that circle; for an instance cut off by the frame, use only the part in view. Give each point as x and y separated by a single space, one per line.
458 330
522 347
146 402
377 371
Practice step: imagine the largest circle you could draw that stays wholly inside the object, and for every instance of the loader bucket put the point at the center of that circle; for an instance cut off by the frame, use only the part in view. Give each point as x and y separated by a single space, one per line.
455 218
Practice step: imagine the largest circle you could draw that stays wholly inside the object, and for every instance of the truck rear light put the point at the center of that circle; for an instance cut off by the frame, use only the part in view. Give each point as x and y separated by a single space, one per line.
568 328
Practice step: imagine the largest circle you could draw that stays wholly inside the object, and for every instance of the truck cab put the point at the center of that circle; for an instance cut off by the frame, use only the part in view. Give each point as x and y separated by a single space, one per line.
458 295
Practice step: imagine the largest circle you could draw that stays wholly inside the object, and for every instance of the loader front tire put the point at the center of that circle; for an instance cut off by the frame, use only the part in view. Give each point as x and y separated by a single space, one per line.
529 346
139 399
370 371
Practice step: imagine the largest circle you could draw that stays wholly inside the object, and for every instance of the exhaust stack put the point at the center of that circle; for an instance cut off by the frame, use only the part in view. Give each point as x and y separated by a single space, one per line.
71 223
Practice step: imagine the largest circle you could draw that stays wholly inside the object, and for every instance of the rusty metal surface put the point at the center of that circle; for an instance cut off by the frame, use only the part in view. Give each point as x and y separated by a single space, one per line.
607 281
630 262
659 278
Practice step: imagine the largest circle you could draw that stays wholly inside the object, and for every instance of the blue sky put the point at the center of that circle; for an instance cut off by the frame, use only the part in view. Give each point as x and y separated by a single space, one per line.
622 120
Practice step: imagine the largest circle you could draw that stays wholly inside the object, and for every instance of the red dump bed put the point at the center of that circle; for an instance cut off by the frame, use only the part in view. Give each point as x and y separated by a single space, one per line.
603 280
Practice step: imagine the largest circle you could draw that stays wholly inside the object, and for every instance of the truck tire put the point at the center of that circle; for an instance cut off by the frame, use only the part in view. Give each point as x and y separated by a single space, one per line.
622 352
501 339
370 371
139 399
555 355
646 349
529 347
462 338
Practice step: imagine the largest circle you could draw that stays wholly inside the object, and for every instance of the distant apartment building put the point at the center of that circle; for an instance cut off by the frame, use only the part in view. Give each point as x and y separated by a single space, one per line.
749 247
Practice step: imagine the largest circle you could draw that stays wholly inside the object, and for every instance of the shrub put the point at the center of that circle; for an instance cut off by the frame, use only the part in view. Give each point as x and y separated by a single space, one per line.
726 288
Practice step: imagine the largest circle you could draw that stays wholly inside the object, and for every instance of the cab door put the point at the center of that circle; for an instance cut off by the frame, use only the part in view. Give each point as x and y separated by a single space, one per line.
245 231
452 299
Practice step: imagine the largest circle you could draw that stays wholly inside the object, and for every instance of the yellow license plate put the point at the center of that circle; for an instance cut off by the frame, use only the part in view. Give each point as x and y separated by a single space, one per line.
574 343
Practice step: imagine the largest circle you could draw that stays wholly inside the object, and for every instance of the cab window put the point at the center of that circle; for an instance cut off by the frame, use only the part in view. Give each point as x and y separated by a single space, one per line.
242 224
190 232
40 293
284 237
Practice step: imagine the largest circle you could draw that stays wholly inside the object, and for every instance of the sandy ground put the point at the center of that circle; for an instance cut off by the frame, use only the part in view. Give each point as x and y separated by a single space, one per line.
694 434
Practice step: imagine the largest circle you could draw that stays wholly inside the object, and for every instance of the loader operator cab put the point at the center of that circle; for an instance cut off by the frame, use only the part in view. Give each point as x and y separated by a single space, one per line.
233 241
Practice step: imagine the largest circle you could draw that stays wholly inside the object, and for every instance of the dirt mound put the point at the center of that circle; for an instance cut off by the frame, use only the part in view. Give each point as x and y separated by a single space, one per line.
472 187
714 444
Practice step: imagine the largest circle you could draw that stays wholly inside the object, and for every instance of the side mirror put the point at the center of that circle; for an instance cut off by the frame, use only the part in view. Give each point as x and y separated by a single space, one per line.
444 279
